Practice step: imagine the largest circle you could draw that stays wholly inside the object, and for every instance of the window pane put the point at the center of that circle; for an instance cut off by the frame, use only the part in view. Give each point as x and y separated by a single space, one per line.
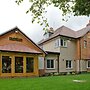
66 64
48 63
88 63
65 43
57 43
52 63
69 64
29 64
18 64
6 64
61 42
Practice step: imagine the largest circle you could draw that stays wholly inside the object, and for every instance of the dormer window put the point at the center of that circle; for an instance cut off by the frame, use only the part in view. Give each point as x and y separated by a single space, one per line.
48 33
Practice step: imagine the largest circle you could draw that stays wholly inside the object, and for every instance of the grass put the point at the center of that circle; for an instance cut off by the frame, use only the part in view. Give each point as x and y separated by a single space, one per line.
46 83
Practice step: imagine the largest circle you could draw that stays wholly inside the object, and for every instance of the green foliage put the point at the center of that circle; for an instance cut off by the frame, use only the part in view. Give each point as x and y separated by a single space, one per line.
81 7
38 8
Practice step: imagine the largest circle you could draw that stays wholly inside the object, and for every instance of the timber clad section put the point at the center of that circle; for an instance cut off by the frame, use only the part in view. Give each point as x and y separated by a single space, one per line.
18 55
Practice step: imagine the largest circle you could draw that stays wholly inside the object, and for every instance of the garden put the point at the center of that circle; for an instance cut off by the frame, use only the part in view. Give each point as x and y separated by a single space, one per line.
65 82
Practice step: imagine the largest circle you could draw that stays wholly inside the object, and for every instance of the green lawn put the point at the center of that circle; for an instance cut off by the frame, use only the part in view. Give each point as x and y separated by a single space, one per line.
46 83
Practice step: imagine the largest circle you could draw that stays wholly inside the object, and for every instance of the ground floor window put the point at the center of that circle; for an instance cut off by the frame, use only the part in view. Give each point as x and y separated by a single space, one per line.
88 63
50 64
29 64
18 64
6 64
68 64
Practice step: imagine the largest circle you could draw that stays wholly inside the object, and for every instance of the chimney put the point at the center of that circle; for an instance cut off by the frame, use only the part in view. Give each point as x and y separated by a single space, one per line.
88 23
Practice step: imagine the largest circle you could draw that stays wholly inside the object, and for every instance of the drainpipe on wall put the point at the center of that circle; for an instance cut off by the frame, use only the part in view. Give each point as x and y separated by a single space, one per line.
58 64
80 57
59 55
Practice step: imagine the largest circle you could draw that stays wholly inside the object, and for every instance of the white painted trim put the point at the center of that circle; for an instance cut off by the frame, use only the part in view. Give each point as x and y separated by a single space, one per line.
46 64
87 63
71 64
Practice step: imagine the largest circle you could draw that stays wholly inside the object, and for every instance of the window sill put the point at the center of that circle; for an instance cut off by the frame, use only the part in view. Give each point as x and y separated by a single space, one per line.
63 46
69 68
88 67
50 68
57 47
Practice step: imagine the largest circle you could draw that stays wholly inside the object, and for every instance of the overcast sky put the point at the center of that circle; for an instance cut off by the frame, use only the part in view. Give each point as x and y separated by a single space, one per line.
12 15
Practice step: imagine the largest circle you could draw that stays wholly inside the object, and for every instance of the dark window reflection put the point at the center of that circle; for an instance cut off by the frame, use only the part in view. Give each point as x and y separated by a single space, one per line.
6 64
18 64
29 64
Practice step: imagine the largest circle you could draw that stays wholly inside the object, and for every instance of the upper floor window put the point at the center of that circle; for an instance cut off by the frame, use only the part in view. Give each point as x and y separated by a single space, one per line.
63 42
68 64
57 43
50 64
85 44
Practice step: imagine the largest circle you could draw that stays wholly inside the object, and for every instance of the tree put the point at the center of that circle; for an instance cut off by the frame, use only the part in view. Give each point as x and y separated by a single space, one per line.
77 7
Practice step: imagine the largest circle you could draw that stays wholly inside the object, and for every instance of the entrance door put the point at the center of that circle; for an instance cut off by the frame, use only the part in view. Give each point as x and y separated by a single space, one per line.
6 64
18 64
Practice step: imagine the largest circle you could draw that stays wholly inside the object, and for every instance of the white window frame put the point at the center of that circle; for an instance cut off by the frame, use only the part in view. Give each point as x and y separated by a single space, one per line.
50 63
57 43
87 63
68 64
64 42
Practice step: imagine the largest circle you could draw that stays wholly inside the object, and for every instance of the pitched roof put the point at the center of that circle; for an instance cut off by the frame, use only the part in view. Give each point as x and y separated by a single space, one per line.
82 32
17 48
65 31
7 47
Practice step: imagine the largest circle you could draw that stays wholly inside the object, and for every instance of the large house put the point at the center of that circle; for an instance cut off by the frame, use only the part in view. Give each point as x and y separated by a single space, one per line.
19 55
61 51
67 50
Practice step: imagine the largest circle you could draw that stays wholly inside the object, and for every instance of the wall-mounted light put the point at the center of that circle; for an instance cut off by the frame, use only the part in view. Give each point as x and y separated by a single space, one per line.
63 59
